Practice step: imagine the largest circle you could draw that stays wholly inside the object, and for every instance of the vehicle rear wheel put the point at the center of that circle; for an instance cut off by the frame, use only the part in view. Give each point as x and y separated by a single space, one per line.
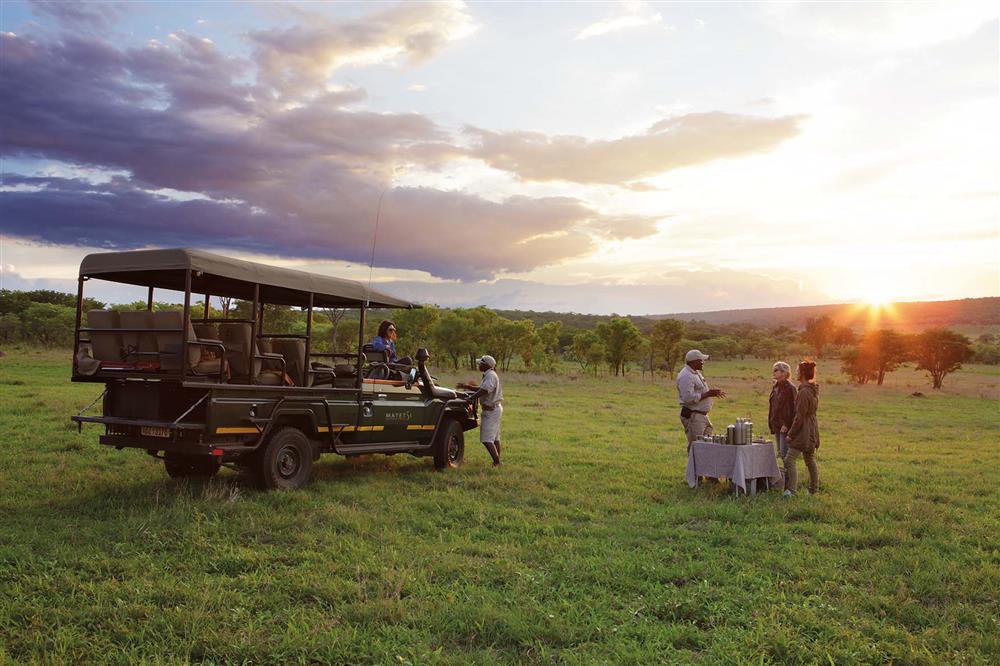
286 460
449 448
180 466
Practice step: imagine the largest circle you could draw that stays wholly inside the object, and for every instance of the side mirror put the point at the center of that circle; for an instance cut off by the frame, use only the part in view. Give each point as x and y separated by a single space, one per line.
411 378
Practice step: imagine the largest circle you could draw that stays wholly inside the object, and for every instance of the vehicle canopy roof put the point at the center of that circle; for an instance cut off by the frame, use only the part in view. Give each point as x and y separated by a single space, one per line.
217 275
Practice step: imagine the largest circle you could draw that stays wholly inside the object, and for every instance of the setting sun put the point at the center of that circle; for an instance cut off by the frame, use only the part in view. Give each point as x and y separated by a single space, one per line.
877 299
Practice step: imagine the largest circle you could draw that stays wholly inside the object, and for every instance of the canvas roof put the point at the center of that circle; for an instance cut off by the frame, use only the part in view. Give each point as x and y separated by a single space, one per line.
217 275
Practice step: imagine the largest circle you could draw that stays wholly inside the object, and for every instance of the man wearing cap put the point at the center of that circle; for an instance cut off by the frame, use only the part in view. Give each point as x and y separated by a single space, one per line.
695 397
490 397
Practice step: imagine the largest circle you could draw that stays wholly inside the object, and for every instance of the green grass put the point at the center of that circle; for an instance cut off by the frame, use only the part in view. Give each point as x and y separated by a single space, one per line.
586 547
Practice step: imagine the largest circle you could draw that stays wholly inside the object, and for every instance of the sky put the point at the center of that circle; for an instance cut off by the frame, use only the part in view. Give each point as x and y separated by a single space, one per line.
607 157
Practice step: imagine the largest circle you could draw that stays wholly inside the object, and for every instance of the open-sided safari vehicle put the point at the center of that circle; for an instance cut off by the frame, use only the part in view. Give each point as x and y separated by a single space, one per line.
200 392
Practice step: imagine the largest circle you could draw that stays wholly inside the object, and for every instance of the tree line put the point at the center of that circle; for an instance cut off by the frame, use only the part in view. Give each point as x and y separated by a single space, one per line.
615 345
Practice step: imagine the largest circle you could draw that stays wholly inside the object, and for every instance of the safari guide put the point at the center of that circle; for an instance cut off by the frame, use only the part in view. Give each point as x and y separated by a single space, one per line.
695 397
490 396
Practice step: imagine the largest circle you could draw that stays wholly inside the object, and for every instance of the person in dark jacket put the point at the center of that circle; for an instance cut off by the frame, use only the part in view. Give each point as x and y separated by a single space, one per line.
803 436
781 407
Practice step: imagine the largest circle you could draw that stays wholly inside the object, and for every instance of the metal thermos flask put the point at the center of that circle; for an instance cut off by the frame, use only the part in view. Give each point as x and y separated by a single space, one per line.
730 434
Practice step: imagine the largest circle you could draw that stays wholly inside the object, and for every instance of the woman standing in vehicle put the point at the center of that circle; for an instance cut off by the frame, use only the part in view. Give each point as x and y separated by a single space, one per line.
803 436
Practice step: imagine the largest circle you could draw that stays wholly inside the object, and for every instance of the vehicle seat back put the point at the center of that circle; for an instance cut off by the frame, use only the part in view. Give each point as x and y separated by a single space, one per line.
207 331
141 342
171 344
236 338
375 355
106 346
294 352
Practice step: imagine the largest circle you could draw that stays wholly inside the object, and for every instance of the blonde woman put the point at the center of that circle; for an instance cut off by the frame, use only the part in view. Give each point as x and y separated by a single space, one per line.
781 406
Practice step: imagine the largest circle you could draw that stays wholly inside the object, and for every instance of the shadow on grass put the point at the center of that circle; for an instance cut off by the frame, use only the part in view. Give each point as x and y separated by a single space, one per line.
110 496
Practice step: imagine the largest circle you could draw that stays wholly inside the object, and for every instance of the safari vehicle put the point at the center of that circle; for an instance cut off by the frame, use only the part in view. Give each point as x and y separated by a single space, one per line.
202 392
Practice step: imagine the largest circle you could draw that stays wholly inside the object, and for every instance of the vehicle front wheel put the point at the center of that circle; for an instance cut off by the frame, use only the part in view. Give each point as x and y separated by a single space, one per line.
286 460
449 447
180 466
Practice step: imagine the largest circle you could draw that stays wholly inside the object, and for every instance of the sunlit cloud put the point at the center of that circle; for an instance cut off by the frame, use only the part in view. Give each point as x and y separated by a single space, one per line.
631 14
671 143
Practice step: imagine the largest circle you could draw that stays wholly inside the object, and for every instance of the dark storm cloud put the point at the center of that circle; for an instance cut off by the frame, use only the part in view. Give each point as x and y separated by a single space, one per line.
298 180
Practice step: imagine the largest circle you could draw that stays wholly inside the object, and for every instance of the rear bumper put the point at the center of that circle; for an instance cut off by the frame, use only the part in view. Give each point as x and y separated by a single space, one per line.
155 436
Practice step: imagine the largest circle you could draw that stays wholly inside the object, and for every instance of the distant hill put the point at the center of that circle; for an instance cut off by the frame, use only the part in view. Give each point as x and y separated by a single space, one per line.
967 314
902 316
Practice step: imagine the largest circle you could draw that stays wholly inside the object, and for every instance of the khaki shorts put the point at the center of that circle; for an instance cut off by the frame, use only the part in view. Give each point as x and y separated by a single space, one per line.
489 424
696 426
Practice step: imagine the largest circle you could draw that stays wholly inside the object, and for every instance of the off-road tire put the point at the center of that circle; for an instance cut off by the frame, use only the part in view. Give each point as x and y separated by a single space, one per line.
449 446
180 466
285 461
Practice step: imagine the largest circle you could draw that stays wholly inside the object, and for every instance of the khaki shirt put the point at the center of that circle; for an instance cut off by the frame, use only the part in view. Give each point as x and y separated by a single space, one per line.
494 393
691 385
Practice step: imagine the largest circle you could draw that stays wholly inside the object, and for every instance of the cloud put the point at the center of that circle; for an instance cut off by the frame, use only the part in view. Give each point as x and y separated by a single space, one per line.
212 159
78 15
298 59
671 143
672 292
877 27
448 234
632 15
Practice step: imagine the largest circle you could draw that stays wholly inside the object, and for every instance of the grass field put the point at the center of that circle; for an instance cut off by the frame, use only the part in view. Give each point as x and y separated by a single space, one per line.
585 547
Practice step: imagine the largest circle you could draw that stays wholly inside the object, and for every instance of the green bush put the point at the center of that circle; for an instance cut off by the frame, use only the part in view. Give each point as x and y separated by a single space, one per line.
49 325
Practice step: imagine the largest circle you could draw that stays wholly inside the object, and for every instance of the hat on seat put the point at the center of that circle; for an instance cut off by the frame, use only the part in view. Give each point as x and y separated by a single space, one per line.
695 355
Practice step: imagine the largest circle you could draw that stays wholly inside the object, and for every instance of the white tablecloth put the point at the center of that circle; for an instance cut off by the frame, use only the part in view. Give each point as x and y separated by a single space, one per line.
739 463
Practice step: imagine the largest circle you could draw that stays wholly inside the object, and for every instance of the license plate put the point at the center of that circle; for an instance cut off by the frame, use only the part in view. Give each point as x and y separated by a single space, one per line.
155 431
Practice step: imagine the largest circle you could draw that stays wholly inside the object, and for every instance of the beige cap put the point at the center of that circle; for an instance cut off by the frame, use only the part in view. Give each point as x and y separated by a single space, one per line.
695 355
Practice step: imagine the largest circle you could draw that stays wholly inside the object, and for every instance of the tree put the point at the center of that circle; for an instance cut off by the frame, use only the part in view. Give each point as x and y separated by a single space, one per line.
549 335
621 338
664 343
333 315
226 303
49 324
887 349
10 327
526 341
844 336
819 333
503 341
858 365
414 327
453 335
588 350
940 352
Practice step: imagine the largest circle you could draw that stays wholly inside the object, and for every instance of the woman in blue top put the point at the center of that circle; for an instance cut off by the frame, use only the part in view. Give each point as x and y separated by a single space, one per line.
385 341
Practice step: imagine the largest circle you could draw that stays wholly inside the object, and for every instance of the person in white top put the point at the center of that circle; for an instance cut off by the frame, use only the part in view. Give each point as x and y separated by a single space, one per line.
490 395
695 397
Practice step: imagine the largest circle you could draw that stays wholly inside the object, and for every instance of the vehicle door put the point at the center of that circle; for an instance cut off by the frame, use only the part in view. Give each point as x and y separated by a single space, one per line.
391 412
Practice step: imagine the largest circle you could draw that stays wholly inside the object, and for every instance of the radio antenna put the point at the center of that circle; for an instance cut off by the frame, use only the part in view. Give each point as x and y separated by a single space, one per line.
371 263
